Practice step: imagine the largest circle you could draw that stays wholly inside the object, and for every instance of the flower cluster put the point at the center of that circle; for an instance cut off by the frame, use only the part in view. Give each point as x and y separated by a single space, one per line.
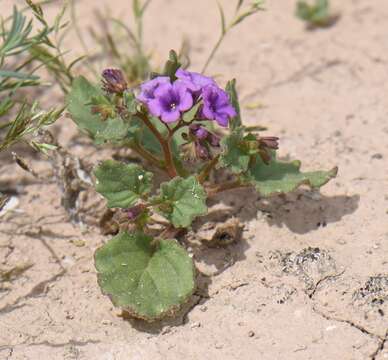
169 100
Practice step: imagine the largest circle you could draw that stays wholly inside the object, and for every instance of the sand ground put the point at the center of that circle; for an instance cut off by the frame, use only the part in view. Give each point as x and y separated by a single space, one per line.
309 279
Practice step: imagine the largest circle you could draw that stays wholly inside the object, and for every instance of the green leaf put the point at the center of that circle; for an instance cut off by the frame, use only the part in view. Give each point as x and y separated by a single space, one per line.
317 14
235 155
172 65
81 94
136 8
122 184
283 177
239 4
17 75
146 277
115 130
190 114
222 16
232 92
130 102
181 201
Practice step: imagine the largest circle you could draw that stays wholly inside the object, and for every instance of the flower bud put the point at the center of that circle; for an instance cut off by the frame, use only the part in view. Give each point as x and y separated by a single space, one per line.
214 140
113 81
266 144
135 211
269 142
200 133
202 151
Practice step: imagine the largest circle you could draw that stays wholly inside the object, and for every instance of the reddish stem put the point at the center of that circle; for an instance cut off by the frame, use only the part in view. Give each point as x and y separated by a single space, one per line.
165 144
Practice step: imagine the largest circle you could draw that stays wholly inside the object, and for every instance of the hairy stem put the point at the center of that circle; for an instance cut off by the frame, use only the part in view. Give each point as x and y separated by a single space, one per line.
147 155
216 189
204 174
164 143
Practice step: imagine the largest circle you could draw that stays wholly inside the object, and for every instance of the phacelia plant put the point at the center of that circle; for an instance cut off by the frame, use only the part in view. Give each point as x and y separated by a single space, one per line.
183 124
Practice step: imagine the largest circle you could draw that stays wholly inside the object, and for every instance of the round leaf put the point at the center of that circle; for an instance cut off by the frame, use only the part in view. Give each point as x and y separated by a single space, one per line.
181 201
147 278
122 184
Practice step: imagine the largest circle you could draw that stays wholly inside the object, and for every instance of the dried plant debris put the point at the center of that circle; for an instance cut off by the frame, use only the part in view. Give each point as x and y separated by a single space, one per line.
3 201
73 176
374 292
283 293
310 265
9 274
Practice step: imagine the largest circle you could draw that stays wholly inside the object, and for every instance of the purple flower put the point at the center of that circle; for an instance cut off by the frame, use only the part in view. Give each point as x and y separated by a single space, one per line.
216 105
147 89
194 81
170 100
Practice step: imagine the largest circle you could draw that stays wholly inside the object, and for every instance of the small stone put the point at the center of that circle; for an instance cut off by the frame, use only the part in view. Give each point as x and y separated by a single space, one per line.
251 334
106 322
166 330
78 242
203 308
377 156
195 325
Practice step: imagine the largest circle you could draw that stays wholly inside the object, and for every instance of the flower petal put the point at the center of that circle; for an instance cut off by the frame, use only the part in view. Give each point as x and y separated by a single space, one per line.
170 116
228 110
222 119
155 107
207 113
186 101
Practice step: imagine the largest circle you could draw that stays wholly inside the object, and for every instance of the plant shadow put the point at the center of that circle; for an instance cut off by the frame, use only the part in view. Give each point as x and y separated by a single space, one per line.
331 21
301 212
210 262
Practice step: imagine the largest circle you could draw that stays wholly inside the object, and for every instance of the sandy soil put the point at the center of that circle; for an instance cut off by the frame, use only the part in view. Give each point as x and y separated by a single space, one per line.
309 279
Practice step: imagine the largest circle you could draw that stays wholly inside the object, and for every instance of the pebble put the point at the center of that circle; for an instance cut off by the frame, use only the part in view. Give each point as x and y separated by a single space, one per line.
195 325
251 334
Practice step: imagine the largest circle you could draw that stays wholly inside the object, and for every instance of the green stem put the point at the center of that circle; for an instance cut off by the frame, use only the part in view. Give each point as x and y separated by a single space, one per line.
213 52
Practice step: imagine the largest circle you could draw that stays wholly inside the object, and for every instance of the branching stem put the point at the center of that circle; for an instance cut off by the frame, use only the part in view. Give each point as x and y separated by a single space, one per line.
164 143
147 155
